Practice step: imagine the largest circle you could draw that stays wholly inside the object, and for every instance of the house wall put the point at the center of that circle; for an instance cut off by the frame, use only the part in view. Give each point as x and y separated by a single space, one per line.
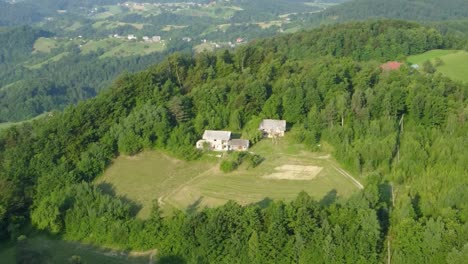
271 134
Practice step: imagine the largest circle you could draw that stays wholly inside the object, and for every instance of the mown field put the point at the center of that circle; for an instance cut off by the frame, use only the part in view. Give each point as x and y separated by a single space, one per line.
42 249
454 64
155 176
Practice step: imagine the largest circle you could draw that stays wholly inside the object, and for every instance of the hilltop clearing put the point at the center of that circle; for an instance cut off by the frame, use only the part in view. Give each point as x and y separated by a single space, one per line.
286 171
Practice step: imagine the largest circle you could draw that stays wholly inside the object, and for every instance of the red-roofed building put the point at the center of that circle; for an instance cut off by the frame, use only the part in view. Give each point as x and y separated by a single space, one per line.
391 66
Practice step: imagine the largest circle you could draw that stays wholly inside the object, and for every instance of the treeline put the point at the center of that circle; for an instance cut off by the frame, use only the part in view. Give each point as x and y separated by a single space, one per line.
302 231
419 10
369 41
402 131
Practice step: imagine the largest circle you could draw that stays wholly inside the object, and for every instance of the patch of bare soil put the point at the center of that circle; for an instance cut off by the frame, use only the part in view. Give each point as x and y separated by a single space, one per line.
294 172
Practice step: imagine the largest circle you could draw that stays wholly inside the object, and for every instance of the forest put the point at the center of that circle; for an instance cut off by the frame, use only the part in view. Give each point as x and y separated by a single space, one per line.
403 131
415 10
65 76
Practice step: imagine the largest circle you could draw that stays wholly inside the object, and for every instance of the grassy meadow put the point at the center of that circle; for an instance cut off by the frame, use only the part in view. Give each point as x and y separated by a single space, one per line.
454 65
429 55
44 45
121 47
129 48
42 249
189 185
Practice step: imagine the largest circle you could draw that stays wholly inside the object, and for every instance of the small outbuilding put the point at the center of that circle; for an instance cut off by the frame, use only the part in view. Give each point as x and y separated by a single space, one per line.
239 144
391 66
272 127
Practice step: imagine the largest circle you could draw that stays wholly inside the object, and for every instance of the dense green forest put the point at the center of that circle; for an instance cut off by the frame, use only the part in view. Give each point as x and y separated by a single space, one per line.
403 131
65 76
415 10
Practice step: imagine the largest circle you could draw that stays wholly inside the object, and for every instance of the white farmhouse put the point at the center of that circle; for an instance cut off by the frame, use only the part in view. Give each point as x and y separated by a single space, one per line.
218 140
215 139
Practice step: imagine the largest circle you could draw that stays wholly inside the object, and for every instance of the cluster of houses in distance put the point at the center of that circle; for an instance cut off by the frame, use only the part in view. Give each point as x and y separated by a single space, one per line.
219 140
133 37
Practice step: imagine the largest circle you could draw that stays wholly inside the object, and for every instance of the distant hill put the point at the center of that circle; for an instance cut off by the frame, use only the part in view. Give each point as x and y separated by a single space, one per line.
417 10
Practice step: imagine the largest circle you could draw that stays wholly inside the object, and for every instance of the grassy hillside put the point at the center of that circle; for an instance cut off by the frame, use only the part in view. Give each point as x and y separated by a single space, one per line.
454 62
429 55
187 185
455 66
404 131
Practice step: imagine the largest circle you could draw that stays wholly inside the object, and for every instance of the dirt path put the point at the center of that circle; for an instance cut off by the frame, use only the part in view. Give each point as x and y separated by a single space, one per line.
163 199
347 175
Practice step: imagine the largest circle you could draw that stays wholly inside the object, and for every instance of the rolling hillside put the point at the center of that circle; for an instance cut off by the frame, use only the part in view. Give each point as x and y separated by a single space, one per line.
402 133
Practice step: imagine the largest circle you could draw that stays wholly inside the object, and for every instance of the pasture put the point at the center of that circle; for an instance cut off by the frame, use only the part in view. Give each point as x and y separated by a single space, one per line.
288 168
129 48
44 45
114 24
121 47
428 55
454 64
105 44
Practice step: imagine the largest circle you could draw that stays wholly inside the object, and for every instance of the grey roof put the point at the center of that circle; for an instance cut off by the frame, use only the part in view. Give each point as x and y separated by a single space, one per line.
272 124
216 134
239 142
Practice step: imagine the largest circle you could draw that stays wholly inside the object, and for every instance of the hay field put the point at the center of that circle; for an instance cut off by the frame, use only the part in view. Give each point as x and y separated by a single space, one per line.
287 170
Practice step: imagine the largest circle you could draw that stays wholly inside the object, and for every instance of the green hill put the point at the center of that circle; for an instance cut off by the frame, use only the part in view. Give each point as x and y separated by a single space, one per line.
403 133
415 10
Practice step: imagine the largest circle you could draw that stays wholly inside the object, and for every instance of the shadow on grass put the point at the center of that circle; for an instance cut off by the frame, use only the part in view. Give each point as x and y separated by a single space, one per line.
329 198
109 189
42 249
264 203
193 208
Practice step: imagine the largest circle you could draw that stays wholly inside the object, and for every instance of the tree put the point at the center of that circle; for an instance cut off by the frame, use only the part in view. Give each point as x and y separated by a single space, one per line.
428 67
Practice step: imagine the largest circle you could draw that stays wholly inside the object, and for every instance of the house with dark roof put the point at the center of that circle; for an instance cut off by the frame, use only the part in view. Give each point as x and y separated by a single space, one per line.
218 140
272 127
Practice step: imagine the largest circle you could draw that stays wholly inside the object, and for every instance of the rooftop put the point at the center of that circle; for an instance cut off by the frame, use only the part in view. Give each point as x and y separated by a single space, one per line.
391 65
239 142
216 134
273 124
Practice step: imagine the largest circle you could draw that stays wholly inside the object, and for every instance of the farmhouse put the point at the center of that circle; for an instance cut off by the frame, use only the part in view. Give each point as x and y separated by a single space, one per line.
221 141
215 140
273 128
